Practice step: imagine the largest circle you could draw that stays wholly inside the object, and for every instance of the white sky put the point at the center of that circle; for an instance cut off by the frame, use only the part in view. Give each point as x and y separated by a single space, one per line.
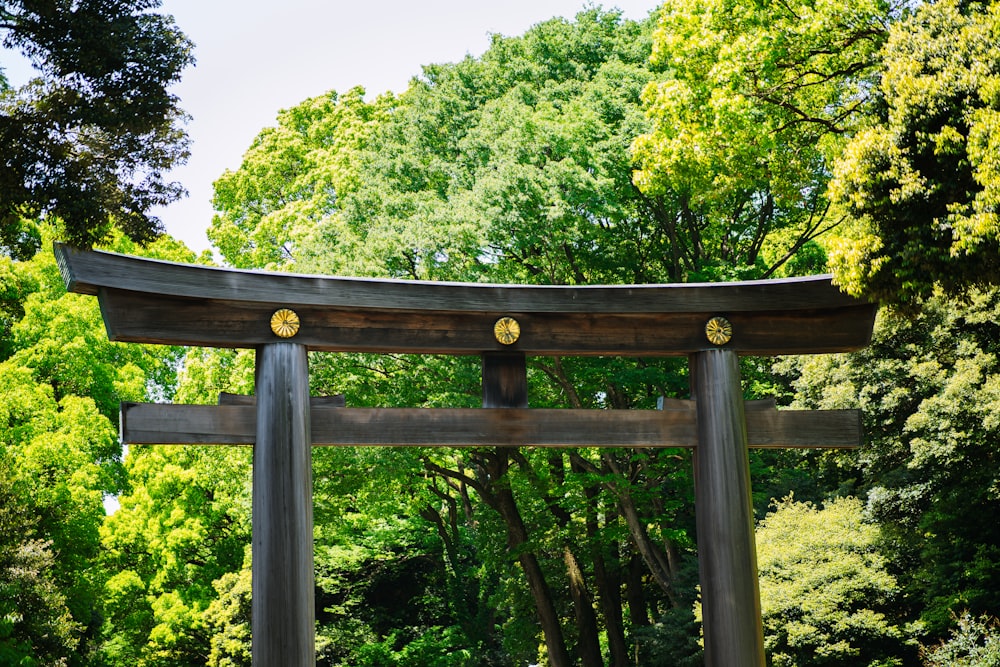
256 58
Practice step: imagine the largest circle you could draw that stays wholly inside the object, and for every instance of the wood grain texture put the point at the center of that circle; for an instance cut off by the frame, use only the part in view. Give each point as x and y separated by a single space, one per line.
140 318
335 401
283 582
727 555
675 426
161 302
86 271
505 380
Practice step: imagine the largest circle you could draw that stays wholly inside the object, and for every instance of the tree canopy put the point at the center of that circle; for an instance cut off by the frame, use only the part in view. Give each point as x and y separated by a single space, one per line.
751 109
922 181
88 141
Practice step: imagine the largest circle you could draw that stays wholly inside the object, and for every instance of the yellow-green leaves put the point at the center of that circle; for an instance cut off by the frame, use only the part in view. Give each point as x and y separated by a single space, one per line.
924 181
826 594
752 107
291 178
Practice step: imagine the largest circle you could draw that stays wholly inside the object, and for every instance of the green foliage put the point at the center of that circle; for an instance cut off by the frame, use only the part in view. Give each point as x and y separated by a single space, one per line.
975 642
61 381
827 597
87 143
291 176
228 618
36 626
749 112
927 387
183 526
923 180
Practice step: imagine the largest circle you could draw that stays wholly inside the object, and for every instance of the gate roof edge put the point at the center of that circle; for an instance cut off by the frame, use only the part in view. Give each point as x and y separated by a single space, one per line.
209 306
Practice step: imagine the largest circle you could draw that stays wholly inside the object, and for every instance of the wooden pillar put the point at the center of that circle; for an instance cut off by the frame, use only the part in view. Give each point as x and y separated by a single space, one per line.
283 633
505 380
727 553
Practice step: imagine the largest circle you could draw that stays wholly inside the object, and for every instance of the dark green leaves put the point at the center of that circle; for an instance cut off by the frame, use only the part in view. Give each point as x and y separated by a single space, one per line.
88 142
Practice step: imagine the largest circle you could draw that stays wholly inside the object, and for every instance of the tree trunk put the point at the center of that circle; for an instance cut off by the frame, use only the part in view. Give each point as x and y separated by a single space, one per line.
654 558
607 585
517 536
586 620
637 608
610 597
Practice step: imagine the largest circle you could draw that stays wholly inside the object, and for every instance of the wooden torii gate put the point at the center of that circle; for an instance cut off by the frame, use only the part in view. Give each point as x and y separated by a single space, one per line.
283 316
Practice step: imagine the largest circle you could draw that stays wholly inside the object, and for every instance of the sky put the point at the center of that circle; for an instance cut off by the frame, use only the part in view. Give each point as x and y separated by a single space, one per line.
256 58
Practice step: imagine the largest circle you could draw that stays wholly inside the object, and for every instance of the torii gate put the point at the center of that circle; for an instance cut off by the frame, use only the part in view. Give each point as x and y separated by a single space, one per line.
284 315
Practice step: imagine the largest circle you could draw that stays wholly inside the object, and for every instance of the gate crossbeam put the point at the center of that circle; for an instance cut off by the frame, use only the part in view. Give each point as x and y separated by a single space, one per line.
675 426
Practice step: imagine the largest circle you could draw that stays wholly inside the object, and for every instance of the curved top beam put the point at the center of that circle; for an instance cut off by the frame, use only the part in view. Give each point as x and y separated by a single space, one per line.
164 302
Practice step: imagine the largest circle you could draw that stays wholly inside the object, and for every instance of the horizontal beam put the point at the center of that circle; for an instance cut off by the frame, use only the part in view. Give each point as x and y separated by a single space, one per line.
335 401
87 271
675 426
135 317
148 301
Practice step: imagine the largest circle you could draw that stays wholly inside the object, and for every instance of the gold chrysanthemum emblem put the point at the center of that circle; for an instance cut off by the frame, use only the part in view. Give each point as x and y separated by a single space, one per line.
507 330
285 323
718 331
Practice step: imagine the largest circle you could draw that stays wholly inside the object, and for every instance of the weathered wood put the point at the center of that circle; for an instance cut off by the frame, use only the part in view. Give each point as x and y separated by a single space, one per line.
283 604
137 317
727 555
144 423
87 271
336 401
159 302
505 380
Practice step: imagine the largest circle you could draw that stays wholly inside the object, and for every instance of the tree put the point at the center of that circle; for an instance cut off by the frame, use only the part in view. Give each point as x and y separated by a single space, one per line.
61 381
180 536
827 596
291 177
754 102
927 388
87 142
923 181
974 643
36 626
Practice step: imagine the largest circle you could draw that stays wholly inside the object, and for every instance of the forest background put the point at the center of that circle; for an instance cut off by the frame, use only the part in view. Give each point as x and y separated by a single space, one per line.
713 141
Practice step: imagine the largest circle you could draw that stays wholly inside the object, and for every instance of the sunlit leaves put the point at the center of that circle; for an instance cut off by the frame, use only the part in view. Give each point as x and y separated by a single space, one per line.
827 596
290 178
929 388
924 181
751 109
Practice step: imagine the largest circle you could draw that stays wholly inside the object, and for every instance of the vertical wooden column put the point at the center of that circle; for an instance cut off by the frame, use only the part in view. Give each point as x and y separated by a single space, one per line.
505 380
727 552
283 633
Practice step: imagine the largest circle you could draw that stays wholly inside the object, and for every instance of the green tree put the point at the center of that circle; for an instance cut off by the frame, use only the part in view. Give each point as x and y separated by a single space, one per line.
289 180
36 626
922 182
973 643
61 381
827 596
180 535
752 106
87 142
927 387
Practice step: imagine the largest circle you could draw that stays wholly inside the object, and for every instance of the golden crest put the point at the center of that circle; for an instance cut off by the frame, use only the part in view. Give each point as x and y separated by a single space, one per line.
285 323
507 330
719 331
